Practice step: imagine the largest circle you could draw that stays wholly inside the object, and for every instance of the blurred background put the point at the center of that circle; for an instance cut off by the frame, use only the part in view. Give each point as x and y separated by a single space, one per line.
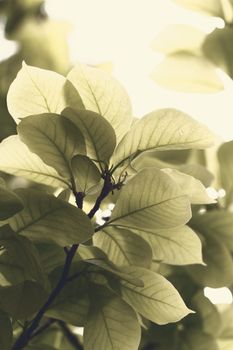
162 53
129 38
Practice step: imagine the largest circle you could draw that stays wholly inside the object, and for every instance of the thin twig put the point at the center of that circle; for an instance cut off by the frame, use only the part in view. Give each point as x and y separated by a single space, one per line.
70 336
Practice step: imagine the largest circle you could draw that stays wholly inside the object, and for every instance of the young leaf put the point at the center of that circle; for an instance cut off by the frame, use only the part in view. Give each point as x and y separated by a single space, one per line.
157 300
16 159
98 133
190 186
164 129
151 200
10 203
111 324
103 94
175 246
85 172
48 219
187 72
37 90
6 332
123 247
54 139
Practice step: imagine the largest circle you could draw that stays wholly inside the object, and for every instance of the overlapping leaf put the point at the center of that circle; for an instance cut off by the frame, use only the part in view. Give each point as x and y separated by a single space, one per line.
175 246
10 203
6 332
101 93
37 90
99 135
123 247
226 169
111 324
85 172
151 200
190 186
16 159
48 219
164 129
157 300
54 139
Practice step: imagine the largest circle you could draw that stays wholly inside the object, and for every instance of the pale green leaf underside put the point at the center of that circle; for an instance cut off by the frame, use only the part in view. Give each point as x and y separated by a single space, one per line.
175 246
54 139
99 135
151 200
101 93
187 73
48 219
85 172
164 129
190 186
112 325
37 90
16 159
157 300
123 247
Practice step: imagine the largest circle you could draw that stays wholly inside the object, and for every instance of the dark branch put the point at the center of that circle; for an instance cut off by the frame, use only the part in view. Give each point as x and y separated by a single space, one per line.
70 336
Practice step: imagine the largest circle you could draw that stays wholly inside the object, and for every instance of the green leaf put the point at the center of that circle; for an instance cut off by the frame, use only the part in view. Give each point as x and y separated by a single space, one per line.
51 256
157 300
175 246
198 340
150 200
22 300
48 219
217 49
85 172
54 139
211 319
123 247
19 260
95 256
98 133
226 169
6 333
199 172
36 91
208 7
72 304
178 37
111 324
40 347
16 159
10 203
190 186
164 129
216 223
101 93
186 72
219 269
